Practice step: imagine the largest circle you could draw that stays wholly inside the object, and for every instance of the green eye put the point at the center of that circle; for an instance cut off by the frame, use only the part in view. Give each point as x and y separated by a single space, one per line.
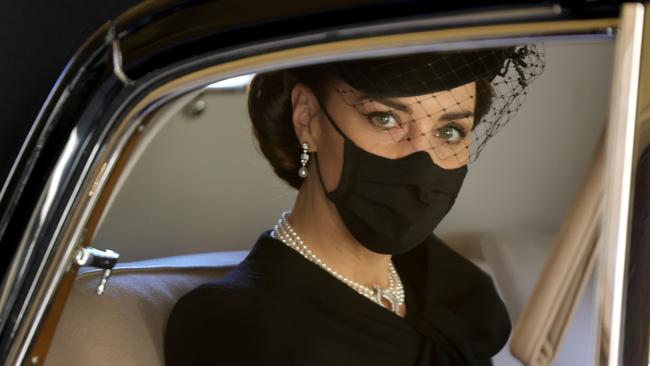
383 120
450 134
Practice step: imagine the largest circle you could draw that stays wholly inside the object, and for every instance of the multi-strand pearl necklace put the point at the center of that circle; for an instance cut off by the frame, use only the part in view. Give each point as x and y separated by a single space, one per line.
393 294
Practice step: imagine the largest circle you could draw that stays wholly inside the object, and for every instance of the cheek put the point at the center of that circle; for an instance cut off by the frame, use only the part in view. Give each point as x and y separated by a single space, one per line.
451 161
452 156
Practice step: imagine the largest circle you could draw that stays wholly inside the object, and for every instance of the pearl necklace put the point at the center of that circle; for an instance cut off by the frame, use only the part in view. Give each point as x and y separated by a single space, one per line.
393 294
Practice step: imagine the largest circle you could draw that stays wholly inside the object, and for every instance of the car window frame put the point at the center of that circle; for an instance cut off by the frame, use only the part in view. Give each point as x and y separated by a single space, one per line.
101 160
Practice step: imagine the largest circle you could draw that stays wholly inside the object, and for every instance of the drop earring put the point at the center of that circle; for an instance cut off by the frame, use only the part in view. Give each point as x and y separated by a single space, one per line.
304 158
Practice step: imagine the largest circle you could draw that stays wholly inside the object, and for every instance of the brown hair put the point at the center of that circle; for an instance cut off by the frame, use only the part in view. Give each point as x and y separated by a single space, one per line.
270 110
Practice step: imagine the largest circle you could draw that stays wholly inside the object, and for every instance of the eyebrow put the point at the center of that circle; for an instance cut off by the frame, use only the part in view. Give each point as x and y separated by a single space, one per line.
455 115
387 102
450 116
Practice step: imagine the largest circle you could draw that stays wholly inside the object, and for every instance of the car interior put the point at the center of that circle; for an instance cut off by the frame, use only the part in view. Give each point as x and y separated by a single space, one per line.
196 192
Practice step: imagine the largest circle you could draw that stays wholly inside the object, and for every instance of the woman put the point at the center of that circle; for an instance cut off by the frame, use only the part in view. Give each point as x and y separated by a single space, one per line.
353 275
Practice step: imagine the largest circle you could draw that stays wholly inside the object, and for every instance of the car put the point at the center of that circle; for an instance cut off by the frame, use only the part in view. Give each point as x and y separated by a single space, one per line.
139 181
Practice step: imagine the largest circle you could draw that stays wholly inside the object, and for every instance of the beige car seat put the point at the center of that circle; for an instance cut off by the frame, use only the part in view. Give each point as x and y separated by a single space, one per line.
125 325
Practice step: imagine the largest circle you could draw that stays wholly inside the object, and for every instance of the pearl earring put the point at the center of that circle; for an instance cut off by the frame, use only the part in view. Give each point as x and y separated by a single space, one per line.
304 158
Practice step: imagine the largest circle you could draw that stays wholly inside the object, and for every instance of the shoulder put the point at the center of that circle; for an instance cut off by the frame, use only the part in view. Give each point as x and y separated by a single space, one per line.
230 313
475 300
205 303
449 280
462 276
445 260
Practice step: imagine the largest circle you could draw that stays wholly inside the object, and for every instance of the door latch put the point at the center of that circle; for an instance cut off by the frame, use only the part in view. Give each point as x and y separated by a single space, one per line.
103 259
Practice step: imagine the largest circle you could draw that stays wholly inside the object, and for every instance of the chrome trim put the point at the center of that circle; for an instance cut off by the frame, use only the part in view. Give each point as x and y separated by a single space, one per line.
530 13
117 56
52 188
103 259
16 267
636 327
619 185
197 261
70 225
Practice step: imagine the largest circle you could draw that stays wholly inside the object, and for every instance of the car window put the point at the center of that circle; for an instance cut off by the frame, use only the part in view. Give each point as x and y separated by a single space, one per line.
196 187
202 184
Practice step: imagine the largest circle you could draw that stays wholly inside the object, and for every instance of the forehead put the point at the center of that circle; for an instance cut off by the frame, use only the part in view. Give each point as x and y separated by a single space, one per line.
460 97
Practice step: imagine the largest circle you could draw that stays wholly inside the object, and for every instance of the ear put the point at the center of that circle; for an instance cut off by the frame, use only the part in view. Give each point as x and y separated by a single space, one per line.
304 117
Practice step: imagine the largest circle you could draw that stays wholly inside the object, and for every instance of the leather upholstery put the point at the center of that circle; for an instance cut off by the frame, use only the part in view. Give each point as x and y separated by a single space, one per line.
125 325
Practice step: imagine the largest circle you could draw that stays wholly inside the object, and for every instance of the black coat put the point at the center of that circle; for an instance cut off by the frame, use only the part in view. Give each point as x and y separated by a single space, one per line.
278 308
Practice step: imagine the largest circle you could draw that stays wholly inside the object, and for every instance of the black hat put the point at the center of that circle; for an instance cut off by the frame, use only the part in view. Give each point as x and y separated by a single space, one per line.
408 75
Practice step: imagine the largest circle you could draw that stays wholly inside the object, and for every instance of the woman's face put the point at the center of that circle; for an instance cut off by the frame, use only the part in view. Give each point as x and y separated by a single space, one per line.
439 123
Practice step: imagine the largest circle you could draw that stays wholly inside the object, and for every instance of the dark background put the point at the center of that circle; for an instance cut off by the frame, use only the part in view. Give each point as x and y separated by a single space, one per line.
37 38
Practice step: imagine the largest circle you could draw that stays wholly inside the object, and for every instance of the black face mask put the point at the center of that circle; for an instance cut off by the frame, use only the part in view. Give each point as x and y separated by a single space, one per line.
391 205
